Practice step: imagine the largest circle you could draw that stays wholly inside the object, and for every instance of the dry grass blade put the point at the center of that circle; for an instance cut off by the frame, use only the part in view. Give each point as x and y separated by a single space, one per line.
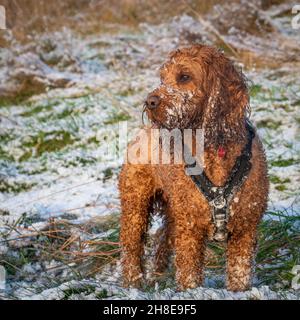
94 253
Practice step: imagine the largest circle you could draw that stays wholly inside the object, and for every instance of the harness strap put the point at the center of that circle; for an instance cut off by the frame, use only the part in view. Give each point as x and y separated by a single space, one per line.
219 198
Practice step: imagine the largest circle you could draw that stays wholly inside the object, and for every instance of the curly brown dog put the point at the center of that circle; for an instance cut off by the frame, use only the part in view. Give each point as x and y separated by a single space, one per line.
200 88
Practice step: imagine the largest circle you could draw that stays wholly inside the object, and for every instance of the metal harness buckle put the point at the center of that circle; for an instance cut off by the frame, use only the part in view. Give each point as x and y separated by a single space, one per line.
219 202
220 215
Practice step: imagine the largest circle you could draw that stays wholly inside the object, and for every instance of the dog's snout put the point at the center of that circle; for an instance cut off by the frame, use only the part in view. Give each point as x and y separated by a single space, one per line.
152 101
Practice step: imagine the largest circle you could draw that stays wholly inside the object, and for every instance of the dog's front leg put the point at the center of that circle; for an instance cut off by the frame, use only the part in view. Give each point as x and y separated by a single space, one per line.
189 259
189 250
135 198
240 256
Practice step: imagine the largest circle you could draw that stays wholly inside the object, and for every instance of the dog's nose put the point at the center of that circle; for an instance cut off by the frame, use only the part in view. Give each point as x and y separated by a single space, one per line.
152 101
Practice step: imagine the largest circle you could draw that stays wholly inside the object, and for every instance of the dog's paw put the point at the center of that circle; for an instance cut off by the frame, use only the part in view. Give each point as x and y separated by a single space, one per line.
132 280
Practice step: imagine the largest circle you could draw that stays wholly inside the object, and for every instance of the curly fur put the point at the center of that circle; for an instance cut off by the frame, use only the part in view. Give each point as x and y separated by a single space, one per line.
216 99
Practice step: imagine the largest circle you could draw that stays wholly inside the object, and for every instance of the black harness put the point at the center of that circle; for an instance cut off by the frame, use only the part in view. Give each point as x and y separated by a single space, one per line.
219 198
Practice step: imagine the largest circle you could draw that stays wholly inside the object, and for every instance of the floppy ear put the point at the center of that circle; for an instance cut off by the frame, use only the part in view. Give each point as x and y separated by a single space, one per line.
228 100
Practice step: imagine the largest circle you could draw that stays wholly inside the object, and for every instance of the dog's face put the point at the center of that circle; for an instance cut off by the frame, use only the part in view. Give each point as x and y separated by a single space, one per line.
178 101
196 81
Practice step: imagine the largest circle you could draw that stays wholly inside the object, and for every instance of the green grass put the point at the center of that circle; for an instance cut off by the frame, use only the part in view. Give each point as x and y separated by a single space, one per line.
103 294
14 263
85 290
108 173
67 112
276 180
5 156
6 136
270 124
281 187
255 89
36 110
283 162
272 94
128 92
15 187
82 161
46 142
115 118
279 183
296 103
15 100
278 249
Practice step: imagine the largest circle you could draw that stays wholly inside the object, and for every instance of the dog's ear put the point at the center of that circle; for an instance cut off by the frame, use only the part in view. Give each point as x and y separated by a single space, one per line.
234 97
228 98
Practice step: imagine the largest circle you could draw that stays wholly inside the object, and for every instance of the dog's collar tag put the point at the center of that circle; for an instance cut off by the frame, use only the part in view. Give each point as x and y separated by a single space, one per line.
221 152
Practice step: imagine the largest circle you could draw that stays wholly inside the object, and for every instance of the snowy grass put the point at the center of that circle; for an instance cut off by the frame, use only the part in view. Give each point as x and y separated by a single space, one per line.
59 209
77 252
278 249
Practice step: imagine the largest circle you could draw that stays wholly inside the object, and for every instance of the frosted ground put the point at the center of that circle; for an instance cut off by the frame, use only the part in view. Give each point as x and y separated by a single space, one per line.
59 203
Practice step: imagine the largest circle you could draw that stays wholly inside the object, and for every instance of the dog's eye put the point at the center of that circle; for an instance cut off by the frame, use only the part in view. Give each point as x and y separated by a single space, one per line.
183 78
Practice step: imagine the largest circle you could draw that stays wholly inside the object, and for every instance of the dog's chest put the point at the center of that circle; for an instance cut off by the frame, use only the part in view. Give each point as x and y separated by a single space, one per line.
217 168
